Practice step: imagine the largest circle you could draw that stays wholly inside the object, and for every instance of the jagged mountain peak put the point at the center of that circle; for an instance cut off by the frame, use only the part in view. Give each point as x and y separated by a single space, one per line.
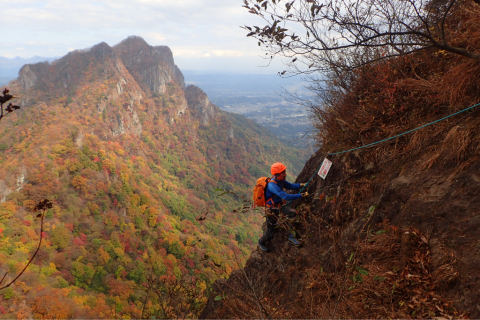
133 41
152 67
102 50
133 47
130 73
66 72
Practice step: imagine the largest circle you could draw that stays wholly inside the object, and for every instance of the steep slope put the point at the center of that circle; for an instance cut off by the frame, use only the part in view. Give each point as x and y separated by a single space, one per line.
393 230
133 162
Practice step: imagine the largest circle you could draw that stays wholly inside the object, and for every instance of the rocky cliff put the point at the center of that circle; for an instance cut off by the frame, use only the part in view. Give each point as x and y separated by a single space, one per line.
200 105
153 67
138 71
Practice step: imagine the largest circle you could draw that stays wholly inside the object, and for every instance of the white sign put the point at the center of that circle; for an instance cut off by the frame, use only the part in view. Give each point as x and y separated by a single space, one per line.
324 169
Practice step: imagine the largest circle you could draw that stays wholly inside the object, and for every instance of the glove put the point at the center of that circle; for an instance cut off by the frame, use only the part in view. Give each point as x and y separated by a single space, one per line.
304 194
303 185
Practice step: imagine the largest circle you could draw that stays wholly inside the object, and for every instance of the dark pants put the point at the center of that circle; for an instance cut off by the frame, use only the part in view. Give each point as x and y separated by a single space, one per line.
272 220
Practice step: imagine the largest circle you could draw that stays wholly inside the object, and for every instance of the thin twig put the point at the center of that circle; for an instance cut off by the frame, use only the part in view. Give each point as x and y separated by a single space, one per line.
31 259
145 302
3 277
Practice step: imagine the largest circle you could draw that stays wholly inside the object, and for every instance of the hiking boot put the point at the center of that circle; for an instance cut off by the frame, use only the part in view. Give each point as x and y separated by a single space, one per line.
263 247
293 240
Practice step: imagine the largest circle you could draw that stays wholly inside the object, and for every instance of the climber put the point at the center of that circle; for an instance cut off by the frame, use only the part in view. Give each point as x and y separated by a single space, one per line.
275 197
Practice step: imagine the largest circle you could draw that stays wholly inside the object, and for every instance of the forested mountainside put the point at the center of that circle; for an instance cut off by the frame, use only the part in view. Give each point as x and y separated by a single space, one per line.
134 162
392 232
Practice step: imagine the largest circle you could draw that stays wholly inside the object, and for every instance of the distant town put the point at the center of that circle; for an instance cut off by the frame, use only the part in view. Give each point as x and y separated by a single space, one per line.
286 120
259 97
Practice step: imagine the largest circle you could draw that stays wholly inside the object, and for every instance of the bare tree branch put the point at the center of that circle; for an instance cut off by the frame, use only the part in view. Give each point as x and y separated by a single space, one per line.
347 34
4 98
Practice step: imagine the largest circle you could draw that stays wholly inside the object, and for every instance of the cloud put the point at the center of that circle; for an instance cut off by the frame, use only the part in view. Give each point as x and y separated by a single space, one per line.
230 53
196 29
154 37
205 51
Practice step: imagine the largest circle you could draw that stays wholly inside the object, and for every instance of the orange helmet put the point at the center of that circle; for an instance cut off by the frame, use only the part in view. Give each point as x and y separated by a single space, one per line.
278 168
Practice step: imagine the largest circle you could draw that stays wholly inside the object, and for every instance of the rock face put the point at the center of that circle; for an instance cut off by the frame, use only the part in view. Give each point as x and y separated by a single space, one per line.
21 179
199 104
4 191
27 77
20 182
167 57
128 122
152 67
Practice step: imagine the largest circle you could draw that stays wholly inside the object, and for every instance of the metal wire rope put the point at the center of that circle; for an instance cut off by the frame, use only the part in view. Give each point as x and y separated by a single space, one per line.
387 139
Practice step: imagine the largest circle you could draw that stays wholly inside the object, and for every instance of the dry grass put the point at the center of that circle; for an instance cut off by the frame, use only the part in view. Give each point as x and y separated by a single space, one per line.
383 291
456 144
445 274
429 162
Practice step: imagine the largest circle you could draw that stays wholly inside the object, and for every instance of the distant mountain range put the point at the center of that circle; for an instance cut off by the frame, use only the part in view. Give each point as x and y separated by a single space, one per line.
9 68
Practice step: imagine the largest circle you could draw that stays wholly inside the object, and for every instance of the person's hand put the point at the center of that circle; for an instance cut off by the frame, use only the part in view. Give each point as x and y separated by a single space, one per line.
303 185
304 194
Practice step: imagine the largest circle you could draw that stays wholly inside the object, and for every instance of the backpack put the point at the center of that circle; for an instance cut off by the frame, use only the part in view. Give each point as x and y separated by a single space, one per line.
259 192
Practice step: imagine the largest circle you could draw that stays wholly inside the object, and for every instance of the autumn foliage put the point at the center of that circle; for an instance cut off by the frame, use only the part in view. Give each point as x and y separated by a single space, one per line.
127 175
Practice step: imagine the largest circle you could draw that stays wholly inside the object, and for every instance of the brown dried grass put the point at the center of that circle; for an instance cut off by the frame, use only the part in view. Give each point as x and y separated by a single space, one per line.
456 144
404 293
445 274
385 292
429 162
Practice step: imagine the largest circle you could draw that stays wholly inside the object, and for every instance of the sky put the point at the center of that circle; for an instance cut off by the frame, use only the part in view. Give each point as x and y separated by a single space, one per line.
202 34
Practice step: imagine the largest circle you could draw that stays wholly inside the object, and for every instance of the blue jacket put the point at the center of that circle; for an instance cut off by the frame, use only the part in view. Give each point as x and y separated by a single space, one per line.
275 191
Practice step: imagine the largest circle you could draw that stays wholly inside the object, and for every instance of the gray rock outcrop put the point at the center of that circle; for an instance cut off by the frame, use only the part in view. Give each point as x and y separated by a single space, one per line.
199 104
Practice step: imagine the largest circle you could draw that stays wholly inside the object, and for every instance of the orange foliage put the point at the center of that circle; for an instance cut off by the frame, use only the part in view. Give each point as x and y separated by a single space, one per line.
120 288
29 204
52 304
80 183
